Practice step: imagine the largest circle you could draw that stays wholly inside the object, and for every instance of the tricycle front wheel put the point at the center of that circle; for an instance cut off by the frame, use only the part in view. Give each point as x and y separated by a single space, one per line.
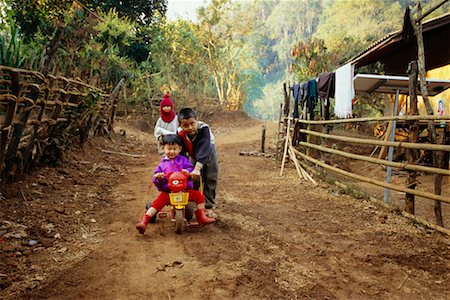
179 221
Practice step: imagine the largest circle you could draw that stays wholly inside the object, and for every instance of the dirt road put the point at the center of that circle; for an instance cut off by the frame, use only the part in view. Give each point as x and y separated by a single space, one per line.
275 238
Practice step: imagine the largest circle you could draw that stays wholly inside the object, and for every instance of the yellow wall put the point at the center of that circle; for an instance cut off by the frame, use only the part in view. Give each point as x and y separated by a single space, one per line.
439 73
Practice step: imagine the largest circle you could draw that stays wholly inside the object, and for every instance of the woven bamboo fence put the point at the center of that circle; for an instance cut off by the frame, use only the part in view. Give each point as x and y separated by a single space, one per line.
41 116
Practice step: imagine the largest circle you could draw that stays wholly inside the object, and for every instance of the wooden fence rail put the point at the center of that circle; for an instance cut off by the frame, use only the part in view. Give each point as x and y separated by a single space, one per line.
40 113
376 119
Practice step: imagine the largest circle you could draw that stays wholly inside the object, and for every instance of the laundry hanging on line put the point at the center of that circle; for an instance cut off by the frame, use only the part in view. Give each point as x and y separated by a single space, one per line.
344 92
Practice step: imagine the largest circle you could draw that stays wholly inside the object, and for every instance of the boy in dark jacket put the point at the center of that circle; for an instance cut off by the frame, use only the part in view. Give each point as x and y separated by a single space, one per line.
199 145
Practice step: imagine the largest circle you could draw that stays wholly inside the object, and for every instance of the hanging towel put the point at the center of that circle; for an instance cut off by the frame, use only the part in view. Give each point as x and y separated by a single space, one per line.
344 92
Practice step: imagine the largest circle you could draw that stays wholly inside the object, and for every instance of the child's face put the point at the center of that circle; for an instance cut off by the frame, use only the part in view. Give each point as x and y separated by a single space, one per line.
171 151
166 108
190 125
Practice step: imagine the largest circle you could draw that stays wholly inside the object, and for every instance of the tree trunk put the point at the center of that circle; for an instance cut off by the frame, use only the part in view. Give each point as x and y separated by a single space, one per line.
51 50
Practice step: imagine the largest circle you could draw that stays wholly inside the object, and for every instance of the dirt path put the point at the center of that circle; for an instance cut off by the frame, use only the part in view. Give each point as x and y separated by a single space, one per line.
276 237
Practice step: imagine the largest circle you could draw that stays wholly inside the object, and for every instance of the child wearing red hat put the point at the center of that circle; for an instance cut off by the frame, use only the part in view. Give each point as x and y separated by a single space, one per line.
167 123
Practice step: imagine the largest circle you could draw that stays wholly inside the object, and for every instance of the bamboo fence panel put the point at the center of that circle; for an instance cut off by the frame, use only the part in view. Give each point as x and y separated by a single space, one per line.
36 109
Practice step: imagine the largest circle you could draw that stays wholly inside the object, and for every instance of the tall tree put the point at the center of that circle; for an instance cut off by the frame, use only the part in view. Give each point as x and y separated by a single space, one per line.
348 27
224 29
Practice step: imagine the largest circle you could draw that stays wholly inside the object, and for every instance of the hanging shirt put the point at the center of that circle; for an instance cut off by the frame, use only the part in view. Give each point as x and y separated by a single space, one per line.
296 93
326 85
312 97
344 92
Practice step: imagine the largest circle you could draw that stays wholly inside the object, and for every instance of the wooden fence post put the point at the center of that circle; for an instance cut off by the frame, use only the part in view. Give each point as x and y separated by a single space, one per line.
411 154
263 139
429 109
9 116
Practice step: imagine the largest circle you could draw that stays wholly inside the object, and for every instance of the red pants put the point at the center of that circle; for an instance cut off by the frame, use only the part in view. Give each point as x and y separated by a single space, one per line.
163 199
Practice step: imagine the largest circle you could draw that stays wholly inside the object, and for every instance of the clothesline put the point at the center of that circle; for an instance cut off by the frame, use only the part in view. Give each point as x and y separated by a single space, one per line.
337 85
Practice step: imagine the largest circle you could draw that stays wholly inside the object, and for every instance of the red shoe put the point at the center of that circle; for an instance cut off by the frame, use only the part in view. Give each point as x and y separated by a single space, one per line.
202 218
143 225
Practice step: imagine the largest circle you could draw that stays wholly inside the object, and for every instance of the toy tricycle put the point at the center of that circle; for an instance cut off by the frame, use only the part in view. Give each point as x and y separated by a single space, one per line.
182 210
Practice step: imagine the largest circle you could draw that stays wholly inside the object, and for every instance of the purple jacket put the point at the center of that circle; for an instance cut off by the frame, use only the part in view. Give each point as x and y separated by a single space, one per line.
167 166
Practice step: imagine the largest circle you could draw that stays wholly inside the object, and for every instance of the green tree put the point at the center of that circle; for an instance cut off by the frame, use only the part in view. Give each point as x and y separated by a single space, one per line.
311 59
348 27
39 16
224 29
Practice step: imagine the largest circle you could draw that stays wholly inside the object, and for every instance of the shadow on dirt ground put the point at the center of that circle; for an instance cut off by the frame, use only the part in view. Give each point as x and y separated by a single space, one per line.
275 237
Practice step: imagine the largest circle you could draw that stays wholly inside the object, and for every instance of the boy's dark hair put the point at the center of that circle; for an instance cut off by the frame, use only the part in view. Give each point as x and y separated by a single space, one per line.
187 113
170 139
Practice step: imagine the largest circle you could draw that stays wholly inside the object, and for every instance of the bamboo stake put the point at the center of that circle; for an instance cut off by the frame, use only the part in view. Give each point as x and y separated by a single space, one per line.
297 167
285 146
303 171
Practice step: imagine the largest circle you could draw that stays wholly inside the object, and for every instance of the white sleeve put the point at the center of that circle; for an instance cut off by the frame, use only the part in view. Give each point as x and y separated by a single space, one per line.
158 128
162 127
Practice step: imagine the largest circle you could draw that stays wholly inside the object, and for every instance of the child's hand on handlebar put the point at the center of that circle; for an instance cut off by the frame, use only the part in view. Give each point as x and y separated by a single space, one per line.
195 173
185 172
159 175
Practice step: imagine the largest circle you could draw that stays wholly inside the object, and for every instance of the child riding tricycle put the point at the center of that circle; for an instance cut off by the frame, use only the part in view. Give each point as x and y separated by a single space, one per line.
171 178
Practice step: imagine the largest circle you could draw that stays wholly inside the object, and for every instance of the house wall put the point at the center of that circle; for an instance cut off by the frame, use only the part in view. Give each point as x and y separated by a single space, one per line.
439 73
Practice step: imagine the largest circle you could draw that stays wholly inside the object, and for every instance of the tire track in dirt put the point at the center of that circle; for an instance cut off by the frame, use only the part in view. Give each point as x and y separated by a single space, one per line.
276 237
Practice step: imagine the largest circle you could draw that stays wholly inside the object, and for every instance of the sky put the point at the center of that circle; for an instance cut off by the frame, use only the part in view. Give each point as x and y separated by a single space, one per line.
184 9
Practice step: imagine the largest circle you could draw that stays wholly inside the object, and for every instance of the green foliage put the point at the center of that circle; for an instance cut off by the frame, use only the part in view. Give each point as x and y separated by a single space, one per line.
115 31
12 52
311 59
33 16
348 27
144 12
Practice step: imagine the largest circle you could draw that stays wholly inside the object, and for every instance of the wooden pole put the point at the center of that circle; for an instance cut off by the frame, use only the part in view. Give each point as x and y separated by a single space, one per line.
280 132
7 121
286 143
302 171
286 100
411 154
424 92
391 149
296 164
263 139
